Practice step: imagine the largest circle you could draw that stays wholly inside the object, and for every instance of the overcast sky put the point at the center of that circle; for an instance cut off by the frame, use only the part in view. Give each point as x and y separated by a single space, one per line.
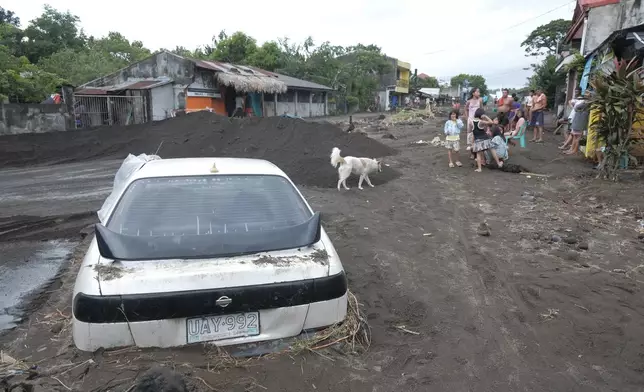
472 36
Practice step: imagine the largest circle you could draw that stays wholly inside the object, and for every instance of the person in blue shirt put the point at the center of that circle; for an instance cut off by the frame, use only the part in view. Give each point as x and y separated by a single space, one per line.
453 127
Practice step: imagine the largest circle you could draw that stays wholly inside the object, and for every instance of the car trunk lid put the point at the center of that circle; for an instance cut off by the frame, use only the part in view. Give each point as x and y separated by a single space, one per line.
176 275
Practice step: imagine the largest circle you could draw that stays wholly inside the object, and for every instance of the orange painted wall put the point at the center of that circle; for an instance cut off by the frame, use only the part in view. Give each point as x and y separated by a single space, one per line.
193 103
219 106
200 103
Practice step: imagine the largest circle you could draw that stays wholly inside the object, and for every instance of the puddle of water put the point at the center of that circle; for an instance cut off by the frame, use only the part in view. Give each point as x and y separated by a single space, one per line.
24 268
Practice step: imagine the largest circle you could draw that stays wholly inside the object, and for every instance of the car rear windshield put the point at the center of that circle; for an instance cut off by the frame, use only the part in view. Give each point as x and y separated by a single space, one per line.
202 205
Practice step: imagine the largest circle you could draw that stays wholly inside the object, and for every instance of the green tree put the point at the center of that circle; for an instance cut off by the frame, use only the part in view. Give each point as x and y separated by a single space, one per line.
50 32
101 57
268 56
119 48
235 49
429 82
475 81
545 38
80 66
21 81
11 37
9 17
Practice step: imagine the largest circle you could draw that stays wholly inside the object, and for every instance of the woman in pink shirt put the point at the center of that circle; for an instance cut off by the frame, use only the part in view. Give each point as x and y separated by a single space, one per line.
475 102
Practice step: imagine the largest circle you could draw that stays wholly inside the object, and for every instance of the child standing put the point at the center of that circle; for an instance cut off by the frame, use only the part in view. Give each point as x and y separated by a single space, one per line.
452 131
475 102
482 141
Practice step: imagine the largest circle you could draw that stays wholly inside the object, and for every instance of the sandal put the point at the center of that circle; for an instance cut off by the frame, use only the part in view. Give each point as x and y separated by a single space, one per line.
478 170
459 164
451 164
539 141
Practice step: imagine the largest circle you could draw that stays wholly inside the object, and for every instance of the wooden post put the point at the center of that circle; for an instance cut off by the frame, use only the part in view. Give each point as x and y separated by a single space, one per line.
326 103
109 111
296 102
310 103
275 104
263 106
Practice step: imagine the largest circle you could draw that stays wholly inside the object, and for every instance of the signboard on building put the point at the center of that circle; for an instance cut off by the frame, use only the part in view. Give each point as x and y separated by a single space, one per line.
194 92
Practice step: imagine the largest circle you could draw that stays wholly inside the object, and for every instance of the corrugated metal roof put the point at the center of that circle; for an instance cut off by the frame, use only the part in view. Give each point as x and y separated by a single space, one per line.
248 71
136 84
226 67
303 84
90 91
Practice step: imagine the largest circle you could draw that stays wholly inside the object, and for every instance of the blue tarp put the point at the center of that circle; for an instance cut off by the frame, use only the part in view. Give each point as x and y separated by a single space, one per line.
583 84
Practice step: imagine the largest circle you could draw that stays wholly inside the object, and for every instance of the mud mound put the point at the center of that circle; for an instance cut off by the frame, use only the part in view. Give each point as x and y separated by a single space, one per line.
298 147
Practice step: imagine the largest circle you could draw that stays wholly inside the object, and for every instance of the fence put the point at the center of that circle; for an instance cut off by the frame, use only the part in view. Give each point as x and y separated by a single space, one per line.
98 110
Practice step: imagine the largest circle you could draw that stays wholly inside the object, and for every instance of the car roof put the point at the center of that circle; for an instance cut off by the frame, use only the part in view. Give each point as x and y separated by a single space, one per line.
202 166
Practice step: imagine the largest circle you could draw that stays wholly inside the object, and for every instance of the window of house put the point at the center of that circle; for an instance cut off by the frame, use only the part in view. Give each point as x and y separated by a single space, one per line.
303 96
289 96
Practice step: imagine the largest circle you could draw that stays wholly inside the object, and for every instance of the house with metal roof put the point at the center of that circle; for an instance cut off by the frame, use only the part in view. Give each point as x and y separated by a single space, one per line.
165 84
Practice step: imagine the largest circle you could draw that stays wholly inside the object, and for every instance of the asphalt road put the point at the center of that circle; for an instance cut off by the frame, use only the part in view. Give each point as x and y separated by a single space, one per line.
40 192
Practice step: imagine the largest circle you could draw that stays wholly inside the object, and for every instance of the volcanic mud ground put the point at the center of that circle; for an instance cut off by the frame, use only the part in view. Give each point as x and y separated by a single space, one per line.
470 281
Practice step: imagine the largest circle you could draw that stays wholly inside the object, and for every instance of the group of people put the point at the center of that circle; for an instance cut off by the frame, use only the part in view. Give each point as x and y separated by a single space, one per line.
487 139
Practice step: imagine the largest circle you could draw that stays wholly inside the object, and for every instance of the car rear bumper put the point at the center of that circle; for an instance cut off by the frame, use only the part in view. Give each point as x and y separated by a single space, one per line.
276 323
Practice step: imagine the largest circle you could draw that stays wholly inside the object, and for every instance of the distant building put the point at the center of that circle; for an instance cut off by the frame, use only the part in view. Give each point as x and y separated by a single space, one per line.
162 85
394 86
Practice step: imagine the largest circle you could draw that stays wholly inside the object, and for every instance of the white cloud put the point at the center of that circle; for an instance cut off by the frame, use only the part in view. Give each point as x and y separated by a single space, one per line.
474 36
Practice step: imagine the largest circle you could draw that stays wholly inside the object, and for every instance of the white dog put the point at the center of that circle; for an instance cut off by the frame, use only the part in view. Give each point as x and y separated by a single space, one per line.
357 166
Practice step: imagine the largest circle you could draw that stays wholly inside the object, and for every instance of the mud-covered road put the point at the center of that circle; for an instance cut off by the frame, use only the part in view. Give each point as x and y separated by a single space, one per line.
42 210
549 299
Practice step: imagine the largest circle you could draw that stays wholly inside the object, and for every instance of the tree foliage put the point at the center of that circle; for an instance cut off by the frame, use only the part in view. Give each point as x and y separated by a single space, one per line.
428 82
545 38
8 17
475 81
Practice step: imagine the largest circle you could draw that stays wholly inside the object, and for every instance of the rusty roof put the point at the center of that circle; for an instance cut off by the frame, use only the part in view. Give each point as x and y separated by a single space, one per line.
90 91
137 84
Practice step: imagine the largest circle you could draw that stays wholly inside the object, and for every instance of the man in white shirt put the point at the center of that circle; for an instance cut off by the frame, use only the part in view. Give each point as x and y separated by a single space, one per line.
528 104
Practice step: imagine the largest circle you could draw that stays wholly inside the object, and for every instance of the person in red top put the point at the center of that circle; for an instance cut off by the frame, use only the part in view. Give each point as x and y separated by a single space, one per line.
502 101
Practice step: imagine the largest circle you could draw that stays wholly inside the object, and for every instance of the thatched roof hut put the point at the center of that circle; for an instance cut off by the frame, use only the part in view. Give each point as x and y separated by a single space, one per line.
243 79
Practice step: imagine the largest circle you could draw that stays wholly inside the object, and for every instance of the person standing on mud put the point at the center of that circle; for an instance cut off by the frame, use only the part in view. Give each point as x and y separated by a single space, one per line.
539 105
471 106
452 131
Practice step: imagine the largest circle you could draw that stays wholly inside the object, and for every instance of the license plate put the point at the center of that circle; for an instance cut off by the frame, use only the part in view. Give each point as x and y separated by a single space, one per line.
209 328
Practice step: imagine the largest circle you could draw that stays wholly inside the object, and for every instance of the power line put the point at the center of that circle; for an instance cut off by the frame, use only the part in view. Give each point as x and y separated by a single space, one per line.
513 26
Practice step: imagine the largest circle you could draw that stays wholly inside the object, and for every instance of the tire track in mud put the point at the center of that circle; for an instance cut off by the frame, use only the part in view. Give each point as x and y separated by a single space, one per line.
431 293
500 336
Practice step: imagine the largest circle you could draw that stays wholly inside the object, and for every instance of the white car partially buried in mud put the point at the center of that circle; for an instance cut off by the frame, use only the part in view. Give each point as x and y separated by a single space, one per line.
218 250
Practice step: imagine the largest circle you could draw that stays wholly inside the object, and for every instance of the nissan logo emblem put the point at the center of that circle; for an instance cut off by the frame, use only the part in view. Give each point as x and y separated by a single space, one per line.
223 301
